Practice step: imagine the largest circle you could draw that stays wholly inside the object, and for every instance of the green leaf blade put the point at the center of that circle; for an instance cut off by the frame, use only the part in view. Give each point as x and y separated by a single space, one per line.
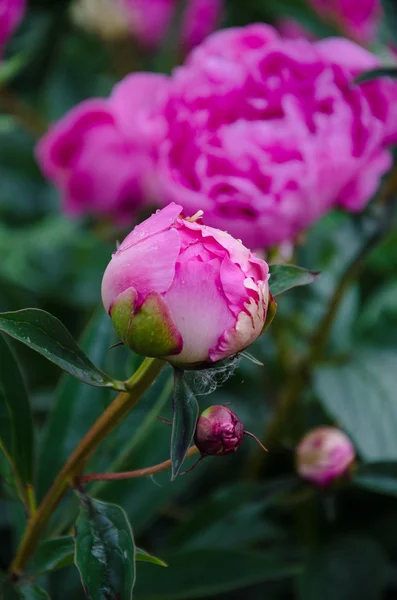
185 409
390 10
360 395
348 567
105 551
76 406
58 553
45 334
33 592
143 556
51 555
16 422
380 477
207 573
285 277
375 73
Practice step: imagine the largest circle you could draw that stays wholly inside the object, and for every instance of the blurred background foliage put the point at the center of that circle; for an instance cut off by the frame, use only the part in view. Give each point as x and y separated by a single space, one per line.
237 526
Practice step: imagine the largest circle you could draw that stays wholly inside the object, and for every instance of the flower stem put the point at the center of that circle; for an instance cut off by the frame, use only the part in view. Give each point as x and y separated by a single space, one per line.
124 402
300 377
23 113
146 472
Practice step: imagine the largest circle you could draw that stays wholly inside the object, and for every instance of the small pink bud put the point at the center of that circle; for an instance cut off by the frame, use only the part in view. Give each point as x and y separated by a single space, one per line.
219 431
324 454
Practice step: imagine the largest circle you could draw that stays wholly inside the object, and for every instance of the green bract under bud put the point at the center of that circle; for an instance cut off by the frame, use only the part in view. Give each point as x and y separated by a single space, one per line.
150 330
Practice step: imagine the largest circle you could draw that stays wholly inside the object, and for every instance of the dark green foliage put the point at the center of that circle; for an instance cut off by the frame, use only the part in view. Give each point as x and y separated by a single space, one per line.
44 333
239 526
185 413
105 551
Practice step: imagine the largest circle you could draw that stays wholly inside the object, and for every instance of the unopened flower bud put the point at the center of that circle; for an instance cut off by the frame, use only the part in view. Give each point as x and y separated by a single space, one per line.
178 290
323 455
107 18
219 431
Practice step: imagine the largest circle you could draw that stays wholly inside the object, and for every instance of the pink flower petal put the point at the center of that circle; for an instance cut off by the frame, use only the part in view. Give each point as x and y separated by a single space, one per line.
147 266
160 221
199 309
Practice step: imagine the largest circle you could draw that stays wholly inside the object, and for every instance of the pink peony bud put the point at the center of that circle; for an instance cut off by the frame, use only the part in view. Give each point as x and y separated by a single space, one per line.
323 455
219 431
178 290
11 13
358 19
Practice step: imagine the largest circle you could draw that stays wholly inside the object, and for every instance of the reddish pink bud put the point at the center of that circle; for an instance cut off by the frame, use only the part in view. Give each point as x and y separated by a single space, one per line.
219 431
324 454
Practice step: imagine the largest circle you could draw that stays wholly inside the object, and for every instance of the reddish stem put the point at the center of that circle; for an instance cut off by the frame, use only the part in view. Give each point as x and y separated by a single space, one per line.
131 474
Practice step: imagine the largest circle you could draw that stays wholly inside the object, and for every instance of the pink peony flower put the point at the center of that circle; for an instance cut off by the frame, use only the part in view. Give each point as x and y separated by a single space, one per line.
219 431
11 13
324 454
150 27
358 19
100 154
179 290
262 133
266 134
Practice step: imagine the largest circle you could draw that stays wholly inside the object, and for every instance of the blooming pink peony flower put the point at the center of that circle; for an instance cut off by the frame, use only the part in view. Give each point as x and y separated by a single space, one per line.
266 134
324 454
150 26
219 431
358 19
100 154
179 290
11 13
263 134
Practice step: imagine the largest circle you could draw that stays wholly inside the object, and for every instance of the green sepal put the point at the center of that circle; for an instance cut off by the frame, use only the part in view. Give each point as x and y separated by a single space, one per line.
149 331
122 312
185 414
271 312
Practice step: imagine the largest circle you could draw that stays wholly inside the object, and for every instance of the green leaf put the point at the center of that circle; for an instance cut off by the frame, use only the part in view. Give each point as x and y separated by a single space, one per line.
16 424
360 395
218 523
8 592
77 406
185 415
375 73
105 551
10 68
285 277
271 313
378 477
207 573
348 568
52 554
47 335
143 556
390 9
33 592
121 451
57 553
27 591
